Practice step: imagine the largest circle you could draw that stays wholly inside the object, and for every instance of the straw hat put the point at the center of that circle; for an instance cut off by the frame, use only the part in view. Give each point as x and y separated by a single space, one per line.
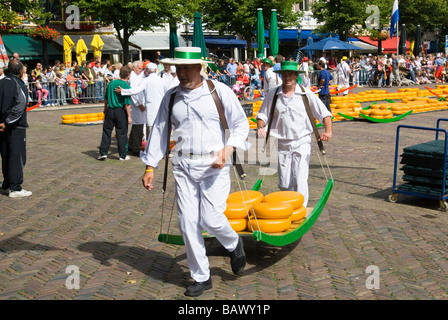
185 55
268 61
289 66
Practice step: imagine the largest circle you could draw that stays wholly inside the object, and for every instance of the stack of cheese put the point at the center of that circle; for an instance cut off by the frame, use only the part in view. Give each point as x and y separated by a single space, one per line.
84 117
272 213
238 205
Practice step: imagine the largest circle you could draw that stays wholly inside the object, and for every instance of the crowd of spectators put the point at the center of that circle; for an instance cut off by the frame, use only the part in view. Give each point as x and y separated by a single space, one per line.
391 69
57 84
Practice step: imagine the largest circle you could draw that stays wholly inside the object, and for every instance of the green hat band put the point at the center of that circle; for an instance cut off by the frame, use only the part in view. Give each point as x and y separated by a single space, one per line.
187 55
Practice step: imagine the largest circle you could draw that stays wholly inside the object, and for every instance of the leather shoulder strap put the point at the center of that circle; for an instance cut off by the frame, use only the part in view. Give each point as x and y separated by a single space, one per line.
225 126
271 114
313 122
168 129
218 104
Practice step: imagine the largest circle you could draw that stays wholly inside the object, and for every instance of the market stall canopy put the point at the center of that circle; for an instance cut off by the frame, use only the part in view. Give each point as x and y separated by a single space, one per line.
260 31
68 48
273 33
292 35
81 51
329 44
389 45
28 48
97 45
111 44
364 47
154 42
231 43
198 34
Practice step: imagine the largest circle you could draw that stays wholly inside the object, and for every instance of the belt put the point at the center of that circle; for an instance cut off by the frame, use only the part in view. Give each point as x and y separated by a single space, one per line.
195 156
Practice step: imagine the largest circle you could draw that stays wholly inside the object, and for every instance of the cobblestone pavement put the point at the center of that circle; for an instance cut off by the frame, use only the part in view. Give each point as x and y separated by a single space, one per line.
97 217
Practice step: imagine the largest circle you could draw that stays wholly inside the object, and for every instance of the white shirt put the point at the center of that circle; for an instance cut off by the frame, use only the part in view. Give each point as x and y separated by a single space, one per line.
99 72
138 116
154 89
196 123
116 74
271 80
171 80
290 120
343 70
324 60
304 76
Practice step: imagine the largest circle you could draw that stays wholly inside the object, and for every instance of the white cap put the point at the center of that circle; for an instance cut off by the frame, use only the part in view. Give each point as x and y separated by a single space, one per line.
173 69
151 65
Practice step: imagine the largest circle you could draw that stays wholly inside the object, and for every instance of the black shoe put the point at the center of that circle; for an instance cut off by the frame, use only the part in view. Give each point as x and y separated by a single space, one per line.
238 258
197 288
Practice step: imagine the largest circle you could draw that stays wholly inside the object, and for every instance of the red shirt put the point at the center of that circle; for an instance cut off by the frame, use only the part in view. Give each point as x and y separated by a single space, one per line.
243 78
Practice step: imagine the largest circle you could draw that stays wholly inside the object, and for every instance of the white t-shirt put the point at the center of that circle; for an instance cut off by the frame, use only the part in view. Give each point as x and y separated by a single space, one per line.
291 120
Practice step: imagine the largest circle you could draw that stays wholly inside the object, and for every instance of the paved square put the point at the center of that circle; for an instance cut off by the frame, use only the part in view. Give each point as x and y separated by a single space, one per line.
97 217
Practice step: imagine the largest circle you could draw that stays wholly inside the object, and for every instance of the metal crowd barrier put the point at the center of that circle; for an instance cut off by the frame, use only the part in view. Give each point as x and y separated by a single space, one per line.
51 94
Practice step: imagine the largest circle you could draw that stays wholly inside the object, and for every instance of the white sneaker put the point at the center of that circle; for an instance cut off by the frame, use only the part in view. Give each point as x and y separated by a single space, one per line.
20 194
102 157
124 159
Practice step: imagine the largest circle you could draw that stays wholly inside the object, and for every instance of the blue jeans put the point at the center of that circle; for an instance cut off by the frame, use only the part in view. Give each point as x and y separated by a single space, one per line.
223 79
256 84
380 79
412 75
51 93
99 90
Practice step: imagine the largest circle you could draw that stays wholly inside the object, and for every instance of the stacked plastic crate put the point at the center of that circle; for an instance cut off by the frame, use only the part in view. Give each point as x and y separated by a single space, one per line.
423 168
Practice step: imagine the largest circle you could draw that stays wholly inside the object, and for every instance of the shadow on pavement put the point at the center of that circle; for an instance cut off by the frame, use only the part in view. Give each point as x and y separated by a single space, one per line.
163 267
259 255
410 200
154 264
16 244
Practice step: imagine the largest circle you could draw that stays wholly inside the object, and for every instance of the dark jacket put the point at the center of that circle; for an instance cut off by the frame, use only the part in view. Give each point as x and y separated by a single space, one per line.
13 102
85 71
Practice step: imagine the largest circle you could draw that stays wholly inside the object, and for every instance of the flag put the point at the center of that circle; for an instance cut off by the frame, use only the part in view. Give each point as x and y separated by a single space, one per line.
4 60
394 19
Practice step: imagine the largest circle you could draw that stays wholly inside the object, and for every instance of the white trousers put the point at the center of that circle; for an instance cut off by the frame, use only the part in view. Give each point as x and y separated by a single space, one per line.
343 82
293 165
201 204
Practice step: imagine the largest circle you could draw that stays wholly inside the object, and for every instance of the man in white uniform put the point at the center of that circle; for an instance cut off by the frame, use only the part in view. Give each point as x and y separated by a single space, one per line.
344 73
138 112
153 88
271 79
293 129
201 165
305 74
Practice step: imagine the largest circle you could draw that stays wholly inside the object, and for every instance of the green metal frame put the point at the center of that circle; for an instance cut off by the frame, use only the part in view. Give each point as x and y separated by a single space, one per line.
275 240
393 119
296 234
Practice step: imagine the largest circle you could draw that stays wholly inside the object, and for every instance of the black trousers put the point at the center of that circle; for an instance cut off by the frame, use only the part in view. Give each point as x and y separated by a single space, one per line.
13 152
115 117
326 99
135 138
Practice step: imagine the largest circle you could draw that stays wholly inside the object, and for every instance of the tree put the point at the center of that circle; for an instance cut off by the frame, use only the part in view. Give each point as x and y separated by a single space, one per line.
33 8
127 17
339 16
240 17
429 14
